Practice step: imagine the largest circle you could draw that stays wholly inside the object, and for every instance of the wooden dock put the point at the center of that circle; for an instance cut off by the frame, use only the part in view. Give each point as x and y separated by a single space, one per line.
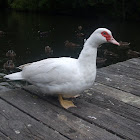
110 110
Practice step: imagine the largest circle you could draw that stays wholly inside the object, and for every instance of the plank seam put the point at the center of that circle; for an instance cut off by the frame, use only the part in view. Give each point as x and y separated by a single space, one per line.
5 135
115 112
123 91
129 66
121 72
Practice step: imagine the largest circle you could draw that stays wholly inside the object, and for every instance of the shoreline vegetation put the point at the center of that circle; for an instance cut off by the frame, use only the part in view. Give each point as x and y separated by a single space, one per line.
115 9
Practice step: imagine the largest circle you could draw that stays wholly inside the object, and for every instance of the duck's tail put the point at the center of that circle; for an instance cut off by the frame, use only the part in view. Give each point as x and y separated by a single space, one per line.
14 76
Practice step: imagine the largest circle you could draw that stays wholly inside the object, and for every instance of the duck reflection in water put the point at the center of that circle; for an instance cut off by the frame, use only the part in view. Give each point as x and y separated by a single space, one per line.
69 44
48 51
9 65
11 54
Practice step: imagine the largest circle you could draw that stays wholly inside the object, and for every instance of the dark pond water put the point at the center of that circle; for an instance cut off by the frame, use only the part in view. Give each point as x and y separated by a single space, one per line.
22 36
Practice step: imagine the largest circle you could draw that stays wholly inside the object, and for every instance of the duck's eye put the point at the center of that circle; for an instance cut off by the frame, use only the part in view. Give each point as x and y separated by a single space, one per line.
104 33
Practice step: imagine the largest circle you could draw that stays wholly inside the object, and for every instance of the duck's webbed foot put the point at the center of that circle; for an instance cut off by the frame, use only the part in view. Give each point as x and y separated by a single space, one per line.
65 103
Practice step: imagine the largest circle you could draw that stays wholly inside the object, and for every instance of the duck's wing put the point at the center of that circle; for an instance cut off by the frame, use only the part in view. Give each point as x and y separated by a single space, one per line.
52 71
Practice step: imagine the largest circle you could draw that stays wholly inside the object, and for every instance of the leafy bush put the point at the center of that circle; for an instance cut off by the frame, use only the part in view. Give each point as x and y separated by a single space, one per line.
115 8
25 4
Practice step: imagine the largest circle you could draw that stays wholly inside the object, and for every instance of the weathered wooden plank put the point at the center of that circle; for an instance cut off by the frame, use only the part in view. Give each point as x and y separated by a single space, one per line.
131 64
123 70
135 60
104 118
112 99
57 118
19 126
117 94
4 137
118 81
115 123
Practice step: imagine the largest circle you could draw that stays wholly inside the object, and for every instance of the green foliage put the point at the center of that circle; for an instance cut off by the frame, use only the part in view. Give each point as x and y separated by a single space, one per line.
25 4
115 8
43 5
9 2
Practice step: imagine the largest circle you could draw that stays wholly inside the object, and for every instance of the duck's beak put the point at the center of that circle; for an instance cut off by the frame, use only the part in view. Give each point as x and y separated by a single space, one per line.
113 41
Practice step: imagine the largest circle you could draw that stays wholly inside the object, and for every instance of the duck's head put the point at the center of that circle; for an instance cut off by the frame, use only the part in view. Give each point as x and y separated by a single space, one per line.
102 35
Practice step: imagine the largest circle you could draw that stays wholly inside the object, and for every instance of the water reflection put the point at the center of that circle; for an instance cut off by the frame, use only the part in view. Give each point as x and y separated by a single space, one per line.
28 34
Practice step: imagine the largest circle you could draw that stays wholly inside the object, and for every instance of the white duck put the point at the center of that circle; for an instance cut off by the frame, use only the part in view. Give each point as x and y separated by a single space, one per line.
66 76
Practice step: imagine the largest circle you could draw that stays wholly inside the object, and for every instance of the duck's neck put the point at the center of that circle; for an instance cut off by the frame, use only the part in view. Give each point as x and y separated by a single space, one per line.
87 57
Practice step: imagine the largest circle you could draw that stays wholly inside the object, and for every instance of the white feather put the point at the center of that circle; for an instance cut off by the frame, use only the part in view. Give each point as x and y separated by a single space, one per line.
14 76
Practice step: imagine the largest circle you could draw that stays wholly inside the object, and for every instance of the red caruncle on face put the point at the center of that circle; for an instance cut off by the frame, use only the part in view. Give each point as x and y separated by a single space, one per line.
106 35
